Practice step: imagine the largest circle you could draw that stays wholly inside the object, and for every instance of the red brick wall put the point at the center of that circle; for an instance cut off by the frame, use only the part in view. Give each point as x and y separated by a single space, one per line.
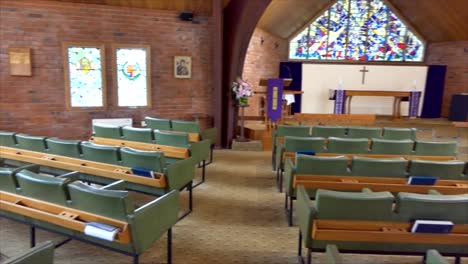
455 56
262 61
36 104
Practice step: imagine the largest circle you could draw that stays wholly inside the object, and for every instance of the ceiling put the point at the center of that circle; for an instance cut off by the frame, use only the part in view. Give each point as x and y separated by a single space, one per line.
198 7
434 20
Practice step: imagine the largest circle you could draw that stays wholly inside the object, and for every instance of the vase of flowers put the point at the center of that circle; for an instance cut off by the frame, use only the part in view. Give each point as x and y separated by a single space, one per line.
242 90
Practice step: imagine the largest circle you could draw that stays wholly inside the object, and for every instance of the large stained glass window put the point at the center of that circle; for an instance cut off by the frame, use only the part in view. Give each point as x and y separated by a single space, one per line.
357 30
133 78
84 76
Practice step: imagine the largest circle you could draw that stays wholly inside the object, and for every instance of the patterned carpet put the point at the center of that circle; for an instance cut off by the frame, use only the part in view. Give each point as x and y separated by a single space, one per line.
238 217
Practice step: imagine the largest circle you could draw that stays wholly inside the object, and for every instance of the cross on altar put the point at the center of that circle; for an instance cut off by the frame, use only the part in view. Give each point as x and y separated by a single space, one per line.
364 74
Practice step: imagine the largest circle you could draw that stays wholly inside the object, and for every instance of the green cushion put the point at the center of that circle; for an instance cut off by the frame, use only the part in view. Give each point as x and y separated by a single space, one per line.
7 139
68 148
348 145
158 123
374 206
434 257
328 131
137 134
399 133
42 187
364 132
107 131
413 206
391 147
171 139
31 143
151 160
110 203
7 180
362 166
306 164
186 126
435 148
447 170
293 144
100 153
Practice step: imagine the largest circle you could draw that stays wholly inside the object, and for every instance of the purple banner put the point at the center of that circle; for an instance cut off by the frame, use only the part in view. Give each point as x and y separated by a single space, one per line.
339 102
414 104
274 99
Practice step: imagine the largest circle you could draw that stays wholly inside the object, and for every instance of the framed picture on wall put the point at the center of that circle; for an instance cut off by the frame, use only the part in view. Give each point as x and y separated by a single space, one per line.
183 67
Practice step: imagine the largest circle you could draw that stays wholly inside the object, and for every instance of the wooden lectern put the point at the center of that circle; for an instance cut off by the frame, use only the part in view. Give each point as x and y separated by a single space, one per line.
287 109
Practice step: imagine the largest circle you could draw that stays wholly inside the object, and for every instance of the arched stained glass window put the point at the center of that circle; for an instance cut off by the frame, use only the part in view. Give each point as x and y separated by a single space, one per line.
361 30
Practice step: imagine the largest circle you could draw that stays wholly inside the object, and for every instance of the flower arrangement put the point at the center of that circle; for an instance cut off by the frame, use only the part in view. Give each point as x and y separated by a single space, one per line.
242 90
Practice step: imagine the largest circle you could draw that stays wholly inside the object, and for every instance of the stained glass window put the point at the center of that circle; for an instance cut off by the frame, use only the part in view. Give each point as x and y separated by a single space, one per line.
361 30
132 76
84 76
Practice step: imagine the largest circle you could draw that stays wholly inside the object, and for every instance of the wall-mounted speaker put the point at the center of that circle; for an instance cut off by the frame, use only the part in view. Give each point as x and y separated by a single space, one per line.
186 16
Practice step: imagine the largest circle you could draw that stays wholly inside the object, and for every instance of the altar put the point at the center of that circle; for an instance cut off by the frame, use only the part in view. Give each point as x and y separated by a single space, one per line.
343 100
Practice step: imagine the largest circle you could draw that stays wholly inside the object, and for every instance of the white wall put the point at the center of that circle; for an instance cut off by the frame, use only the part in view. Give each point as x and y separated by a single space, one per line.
317 79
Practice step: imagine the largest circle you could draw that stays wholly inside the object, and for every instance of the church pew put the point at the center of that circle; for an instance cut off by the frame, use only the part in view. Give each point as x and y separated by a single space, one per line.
335 119
292 155
42 253
368 222
357 183
169 151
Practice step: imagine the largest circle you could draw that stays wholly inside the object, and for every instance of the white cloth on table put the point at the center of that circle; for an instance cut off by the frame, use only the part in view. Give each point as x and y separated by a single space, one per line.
289 98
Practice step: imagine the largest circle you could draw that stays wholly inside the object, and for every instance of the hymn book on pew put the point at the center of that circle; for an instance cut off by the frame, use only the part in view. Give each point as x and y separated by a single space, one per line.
100 230
422 180
306 152
143 172
429 226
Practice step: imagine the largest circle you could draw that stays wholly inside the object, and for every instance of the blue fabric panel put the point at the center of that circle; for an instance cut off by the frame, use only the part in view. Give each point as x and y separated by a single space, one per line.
293 70
432 103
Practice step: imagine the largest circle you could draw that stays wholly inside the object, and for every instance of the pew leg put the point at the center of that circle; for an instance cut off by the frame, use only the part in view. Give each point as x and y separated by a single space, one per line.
190 196
299 249
135 259
277 179
290 219
280 180
286 201
169 246
211 153
32 240
309 256
457 260
203 166
190 201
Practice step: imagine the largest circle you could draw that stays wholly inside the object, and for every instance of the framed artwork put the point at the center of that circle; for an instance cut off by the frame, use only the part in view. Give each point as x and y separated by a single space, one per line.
132 75
20 61
182 67
85 83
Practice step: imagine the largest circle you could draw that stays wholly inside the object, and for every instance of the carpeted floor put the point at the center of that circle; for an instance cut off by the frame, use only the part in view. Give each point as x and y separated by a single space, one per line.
238 217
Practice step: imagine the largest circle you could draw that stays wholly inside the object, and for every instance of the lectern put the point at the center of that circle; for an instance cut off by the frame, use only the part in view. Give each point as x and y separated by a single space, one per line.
286 83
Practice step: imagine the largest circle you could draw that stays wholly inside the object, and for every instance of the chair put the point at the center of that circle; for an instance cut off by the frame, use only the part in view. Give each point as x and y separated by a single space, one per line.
43 187
68 148
7 139
310 165
348 145
285 130
8 182
364 132
137 134
171 139
42 253
445 170
100 153
433 148
293 144
399 133
158 123
150 160
107 131
328 131
186 126
362 166
31 143
391 147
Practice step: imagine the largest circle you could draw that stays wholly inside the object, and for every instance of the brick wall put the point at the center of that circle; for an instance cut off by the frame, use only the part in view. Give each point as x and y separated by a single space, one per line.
36 104
455 56
264 54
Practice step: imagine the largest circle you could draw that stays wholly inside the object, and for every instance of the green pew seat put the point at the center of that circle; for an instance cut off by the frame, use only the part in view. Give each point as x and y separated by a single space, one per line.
68 148
395 167
286 130
7 139
391 146
399 133
445 170
435 148
364 132
348 145
158 123
329 131
32 143
137 134
107 131
100 153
